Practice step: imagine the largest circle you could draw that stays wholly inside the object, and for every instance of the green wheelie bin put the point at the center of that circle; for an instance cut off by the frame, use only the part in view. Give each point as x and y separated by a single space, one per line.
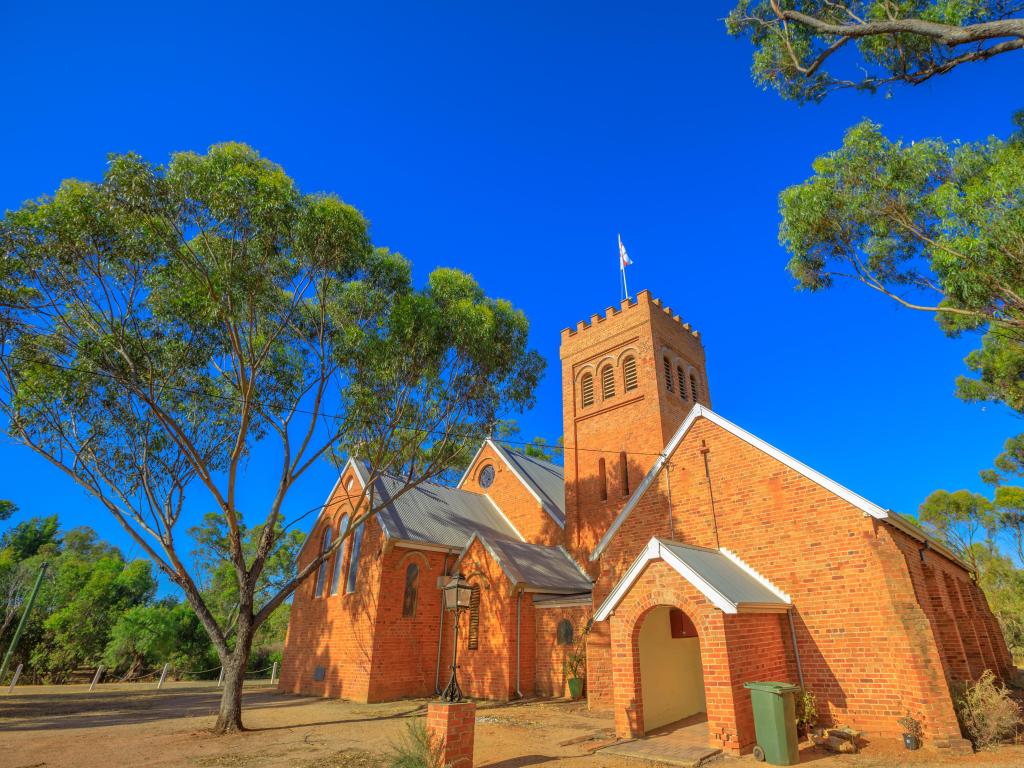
775 722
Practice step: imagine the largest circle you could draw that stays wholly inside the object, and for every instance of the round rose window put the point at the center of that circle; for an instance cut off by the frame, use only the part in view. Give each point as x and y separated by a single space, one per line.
487 476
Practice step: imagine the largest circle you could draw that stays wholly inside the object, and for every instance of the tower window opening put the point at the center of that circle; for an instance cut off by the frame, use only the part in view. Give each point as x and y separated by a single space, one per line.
694 391
623 474
607 382
602 477
668 373
681 377
629 374
587 387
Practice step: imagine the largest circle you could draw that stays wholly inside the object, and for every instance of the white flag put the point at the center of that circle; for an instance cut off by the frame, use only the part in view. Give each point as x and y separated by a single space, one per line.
624 260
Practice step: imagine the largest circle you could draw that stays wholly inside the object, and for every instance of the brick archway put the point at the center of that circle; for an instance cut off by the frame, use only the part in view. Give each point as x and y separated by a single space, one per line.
733 649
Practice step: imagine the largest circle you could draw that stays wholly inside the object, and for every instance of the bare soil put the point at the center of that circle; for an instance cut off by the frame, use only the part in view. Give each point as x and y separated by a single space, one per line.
121 725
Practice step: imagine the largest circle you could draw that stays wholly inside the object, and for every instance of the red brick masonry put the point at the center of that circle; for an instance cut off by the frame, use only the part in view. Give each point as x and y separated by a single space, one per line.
453 726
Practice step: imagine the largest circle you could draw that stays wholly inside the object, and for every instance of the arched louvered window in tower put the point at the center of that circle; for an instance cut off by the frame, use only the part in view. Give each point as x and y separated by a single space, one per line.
587 388
694 390
629 380
681 378
668 373
321 573
473 636
339 556
411 589
623 474
602 479
607 382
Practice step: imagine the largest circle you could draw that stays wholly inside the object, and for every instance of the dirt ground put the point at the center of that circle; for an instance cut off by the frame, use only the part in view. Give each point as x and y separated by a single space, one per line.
120 725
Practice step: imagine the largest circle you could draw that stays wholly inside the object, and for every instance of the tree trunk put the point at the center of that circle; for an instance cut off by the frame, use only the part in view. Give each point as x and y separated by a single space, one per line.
229 718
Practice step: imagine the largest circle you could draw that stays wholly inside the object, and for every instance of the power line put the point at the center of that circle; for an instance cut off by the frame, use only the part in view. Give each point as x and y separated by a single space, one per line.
236 399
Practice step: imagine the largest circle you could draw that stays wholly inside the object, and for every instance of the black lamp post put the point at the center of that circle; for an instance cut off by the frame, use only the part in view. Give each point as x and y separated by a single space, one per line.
457 593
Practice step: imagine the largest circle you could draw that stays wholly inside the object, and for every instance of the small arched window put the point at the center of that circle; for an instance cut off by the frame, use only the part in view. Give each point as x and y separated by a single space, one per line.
681 378
694 390
668 373
411 588
623 474
339 556
353 559
629 380
473 637
563 632
602 478
607 382
321 573
587 388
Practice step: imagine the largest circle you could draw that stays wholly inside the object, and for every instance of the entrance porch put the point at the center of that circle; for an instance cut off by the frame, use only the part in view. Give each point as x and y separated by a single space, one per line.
689 626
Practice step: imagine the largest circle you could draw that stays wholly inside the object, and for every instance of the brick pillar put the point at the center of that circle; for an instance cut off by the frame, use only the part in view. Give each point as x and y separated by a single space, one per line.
452 725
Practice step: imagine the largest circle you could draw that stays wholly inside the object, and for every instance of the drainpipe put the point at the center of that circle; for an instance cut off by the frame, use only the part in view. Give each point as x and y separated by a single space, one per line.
440 633
519 645
796 649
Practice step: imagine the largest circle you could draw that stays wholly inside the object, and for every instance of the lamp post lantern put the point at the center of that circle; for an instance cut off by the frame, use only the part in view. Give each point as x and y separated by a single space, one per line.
457 594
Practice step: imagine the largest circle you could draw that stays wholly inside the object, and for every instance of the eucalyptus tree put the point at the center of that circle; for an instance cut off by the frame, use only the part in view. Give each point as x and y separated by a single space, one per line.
806 49
159 325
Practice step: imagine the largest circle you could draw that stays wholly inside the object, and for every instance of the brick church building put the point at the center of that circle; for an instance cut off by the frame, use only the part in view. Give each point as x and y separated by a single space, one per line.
703 556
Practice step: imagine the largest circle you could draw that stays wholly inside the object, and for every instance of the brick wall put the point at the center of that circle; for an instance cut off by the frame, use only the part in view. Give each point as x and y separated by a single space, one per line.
868 649
488 672
514 500
637 423
550 656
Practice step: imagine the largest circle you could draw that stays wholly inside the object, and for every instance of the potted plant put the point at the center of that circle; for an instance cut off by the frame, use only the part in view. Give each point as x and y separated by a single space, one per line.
574 667
911 731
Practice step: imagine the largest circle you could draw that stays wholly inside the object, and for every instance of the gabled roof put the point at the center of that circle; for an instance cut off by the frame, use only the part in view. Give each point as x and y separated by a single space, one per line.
545 481
858 501
433 513
533 567
726 581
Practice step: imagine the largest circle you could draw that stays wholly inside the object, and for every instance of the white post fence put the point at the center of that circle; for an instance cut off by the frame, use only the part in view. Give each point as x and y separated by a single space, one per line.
220 680
96 677
163 676
14 682
273 673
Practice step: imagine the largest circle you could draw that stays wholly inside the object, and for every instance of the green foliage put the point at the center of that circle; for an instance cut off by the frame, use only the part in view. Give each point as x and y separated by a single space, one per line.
959 518
147 636
795 41
987 713
417 749
937 227
7 508
507 433
806 710
161 323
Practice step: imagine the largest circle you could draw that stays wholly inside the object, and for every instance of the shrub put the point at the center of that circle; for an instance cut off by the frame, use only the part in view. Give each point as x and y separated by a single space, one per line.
910 726
986 712
417 749
806 710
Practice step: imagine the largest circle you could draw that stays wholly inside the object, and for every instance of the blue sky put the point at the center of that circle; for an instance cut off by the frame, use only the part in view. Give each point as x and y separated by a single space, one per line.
514 140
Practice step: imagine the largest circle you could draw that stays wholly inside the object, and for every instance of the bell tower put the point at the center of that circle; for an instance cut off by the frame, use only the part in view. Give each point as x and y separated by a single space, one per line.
629 378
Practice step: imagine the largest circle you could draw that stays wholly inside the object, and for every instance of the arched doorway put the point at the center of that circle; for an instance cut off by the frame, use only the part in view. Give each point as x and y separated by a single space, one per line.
671 674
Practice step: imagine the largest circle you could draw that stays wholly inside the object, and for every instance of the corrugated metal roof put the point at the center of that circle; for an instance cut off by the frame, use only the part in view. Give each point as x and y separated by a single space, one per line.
547 479
437 514
537 567
723 575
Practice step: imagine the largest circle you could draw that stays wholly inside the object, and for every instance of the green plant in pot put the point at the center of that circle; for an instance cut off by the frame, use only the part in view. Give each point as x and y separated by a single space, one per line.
574 667
911 731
